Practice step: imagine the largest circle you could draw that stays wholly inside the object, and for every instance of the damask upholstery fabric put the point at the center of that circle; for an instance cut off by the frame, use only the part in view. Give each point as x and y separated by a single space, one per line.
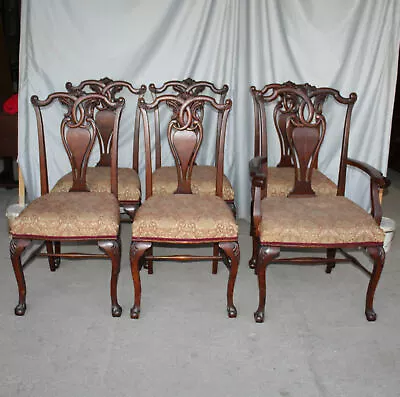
281 181
99 180
317 220
184 217
71 215
165 181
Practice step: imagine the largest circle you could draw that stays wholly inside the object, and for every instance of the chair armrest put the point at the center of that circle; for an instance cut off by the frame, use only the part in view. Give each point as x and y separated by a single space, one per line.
378 181
375 175
257 174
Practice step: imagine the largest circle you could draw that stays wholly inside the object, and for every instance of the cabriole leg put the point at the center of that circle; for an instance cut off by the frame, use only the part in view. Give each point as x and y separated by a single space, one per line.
138 248
113 250
265 256
231 250
17 246
378 256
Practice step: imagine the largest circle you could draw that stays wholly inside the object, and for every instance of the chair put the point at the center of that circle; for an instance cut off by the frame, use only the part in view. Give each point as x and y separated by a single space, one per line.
203 177
182 217
305 219
98 178
281 177
79 214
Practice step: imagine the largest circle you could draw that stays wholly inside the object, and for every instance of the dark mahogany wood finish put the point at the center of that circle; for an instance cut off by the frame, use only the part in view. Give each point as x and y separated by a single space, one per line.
105 120
305 130
78 134
185 134
190 86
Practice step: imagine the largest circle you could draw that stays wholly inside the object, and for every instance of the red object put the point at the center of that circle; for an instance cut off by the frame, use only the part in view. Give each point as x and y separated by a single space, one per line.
10 106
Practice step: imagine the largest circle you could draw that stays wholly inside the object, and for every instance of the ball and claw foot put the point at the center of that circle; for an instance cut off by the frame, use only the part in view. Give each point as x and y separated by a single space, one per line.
252 263
232 312
20 309
370 314
116 311
135 312
259 316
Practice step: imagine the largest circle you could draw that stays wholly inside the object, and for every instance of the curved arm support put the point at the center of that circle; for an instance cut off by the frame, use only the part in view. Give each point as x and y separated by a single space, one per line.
259 185
377 181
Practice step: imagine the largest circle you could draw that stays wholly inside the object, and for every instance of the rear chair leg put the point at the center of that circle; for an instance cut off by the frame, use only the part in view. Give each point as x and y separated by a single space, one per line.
215 261
330 254
113 250
52 262
231 250
265 256
57 250
138 249
378 256
17 246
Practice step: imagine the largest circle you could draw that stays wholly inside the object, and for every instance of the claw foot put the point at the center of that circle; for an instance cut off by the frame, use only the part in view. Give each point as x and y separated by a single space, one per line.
370 314
116 311
20 309
232 312
135 312
259 316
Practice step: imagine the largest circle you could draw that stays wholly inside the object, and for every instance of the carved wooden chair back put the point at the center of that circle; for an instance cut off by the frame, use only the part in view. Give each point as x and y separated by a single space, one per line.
185 133
104 118
304 125
192 87
78 133
286 106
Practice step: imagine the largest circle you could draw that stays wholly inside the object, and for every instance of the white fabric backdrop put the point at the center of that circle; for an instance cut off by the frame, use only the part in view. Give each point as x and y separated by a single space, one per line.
348 45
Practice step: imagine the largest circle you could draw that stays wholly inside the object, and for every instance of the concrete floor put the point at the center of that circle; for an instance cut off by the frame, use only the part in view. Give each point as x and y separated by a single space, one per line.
315 340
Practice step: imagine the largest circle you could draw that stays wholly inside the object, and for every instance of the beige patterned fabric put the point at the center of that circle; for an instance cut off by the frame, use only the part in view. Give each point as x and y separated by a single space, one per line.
165 181
281 182
99 180
184 217
317 220
69 215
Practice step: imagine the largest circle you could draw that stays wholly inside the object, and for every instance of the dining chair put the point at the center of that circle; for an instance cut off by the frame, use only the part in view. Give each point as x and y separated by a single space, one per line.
203 175
78 215
98 177
305 219
182 217
281 176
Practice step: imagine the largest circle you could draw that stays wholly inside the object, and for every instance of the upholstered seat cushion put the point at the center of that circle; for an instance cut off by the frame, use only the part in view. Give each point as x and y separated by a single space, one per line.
281 181
184 217
317 221
74 215
165 181
99 180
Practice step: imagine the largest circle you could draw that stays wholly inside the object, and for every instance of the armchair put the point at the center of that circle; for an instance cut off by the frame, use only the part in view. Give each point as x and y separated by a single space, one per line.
306 219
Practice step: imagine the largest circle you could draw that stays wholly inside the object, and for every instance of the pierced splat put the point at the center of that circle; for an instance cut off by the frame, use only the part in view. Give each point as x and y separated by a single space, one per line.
286 108
105 123
185 144
185 135
305 140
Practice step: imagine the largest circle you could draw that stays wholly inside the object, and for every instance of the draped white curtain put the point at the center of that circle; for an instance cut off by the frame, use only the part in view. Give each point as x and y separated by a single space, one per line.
348 45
